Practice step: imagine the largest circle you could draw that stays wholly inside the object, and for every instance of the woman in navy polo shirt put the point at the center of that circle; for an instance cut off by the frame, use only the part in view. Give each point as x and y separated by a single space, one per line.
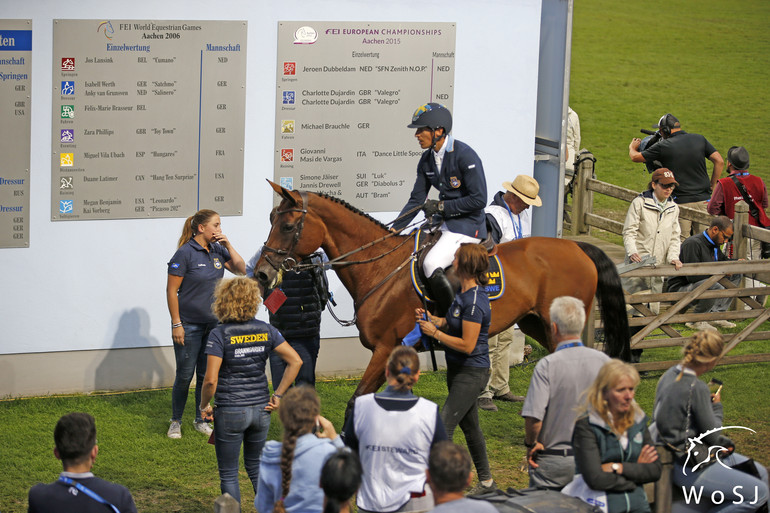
237 352
201 258
464 332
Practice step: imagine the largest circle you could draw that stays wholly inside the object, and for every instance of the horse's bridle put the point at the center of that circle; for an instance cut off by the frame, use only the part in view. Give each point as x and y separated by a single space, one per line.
286 253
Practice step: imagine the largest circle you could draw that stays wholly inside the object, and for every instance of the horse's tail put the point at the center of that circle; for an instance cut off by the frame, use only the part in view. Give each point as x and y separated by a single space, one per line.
612 304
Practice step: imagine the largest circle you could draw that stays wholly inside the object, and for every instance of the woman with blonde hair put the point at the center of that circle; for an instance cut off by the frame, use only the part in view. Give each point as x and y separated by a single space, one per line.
685 411
290 471
203 253
238 350
395 418
613 448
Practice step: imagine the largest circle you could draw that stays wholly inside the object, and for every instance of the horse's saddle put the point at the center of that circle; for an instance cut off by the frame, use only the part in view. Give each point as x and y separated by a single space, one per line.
424 240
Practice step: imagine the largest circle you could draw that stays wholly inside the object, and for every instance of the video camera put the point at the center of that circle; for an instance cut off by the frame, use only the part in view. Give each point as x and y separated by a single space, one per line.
653 137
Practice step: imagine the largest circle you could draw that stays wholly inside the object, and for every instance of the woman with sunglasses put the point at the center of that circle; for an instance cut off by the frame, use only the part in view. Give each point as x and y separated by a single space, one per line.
652 228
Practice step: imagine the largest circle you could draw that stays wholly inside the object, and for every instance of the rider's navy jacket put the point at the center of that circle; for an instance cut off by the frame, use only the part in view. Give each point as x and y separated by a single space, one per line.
462 187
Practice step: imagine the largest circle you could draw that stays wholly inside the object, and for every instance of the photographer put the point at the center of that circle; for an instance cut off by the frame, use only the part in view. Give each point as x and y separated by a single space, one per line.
684 154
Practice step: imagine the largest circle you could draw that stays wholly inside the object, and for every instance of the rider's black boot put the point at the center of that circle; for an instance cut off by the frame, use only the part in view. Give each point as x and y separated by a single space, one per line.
442 291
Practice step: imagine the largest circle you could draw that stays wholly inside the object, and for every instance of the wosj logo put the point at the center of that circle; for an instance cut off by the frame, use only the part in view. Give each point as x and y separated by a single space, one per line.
700 455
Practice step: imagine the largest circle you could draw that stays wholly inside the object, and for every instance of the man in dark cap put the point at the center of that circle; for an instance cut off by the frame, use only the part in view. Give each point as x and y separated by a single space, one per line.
684 154
727 191
740 185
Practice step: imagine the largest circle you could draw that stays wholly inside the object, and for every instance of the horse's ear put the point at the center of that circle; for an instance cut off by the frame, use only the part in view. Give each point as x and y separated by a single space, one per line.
282 192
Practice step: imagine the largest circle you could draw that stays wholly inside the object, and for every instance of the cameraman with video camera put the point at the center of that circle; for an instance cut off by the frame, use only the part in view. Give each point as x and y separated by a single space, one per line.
684 154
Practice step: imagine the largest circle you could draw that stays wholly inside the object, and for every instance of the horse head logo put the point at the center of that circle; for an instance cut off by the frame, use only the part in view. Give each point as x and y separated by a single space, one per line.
695 447
106 27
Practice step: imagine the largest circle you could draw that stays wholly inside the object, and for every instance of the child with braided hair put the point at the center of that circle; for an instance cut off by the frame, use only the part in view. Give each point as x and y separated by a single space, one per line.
686 410
290 471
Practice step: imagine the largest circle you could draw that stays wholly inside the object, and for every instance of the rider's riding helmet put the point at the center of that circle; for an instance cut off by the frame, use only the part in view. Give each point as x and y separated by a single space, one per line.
433 116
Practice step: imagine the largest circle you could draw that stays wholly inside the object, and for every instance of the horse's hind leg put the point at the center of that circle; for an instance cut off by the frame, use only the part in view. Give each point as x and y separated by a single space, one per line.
374 375
535 327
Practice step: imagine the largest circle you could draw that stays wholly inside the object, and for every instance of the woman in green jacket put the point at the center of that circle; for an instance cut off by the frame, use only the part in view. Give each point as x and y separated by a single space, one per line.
612 446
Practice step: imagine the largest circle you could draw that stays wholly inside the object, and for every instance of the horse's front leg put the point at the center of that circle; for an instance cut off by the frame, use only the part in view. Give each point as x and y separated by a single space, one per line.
374 375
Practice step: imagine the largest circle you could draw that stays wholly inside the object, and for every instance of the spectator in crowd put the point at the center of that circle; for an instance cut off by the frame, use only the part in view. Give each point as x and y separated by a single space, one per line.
686 411
508 218
652 228
454 169
573 138
299 317
730 190
77 489
392 432
290 471
340 479
463 332
449 474
557 384
237 351
684 154
706 247
740 185
613 448
203 253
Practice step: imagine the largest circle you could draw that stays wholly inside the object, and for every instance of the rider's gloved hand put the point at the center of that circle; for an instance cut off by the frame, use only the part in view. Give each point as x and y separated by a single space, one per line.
431 208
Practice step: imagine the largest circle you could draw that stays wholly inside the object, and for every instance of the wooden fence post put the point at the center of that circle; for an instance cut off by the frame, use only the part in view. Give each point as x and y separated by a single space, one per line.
741 219
582 199
740 242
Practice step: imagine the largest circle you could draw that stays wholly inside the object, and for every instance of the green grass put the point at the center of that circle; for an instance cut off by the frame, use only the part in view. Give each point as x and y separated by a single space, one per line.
707 62
181 475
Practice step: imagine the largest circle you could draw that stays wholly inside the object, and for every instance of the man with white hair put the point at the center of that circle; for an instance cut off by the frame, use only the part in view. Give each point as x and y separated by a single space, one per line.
557 383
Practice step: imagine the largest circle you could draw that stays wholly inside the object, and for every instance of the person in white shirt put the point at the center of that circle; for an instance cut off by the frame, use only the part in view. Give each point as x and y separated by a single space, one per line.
508 218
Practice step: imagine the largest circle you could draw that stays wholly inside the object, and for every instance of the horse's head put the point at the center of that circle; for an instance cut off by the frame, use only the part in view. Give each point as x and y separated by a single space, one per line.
294 234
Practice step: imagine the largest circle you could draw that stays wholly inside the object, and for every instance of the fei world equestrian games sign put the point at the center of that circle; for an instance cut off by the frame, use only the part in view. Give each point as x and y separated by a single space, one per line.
148 118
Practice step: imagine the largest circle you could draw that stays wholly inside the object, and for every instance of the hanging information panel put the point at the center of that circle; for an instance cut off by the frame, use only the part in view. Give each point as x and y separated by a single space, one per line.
148 118
15 87
345 93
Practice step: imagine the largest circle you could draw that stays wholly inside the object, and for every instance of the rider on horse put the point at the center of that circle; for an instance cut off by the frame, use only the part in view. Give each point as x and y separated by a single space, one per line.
454 169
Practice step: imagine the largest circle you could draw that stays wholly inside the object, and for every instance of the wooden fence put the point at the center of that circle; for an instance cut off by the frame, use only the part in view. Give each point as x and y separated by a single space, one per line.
658 329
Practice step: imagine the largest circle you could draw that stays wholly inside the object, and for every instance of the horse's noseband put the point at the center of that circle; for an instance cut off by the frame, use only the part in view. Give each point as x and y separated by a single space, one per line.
289 261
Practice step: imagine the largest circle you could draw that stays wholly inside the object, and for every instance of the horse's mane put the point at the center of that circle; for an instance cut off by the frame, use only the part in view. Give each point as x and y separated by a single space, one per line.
352 208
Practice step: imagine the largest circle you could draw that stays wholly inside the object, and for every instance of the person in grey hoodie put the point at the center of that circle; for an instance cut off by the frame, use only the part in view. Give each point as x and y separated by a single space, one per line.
290 470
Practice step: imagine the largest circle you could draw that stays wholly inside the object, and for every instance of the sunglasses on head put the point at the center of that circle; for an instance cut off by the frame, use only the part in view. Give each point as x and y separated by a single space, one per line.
667 185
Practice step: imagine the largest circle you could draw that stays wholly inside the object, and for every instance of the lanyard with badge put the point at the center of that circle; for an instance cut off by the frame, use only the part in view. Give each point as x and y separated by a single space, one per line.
716 248
95 496
571 344
516 233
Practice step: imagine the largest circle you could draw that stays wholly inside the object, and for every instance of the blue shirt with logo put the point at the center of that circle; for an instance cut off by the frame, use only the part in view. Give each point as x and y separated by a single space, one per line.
473 306
200 270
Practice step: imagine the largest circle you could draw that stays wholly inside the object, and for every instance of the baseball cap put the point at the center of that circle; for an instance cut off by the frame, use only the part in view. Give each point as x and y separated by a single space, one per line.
669 121
664 176
738 157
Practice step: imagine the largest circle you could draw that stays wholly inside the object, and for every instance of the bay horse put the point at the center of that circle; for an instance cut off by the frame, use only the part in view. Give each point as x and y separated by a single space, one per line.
536 269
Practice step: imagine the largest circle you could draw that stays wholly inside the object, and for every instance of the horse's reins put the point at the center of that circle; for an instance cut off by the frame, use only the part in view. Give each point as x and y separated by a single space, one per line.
298 267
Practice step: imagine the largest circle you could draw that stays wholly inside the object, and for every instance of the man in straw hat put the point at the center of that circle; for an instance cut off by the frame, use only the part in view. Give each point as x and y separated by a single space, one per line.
508 218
